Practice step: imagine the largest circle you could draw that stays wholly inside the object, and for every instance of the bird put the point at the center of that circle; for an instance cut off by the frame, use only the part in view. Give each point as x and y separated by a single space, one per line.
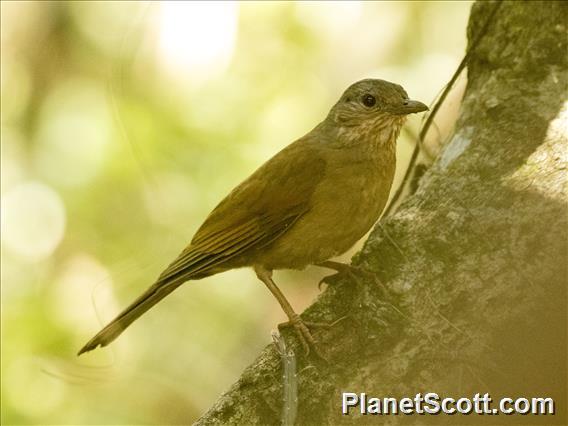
309 203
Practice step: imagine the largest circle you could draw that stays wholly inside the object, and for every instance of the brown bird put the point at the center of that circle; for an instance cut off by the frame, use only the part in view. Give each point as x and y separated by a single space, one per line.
310 202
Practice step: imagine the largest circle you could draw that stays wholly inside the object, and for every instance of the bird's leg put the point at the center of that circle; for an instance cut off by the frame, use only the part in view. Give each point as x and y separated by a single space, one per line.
301 328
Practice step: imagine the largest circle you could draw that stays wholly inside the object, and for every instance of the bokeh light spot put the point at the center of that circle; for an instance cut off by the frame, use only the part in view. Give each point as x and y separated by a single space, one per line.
197 38
33 220
74 133
83 297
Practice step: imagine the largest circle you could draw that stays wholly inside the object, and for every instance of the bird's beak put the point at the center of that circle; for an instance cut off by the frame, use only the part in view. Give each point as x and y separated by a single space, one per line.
409 107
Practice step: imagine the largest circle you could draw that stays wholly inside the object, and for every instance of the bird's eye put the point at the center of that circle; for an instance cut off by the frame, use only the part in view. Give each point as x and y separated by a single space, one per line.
369 100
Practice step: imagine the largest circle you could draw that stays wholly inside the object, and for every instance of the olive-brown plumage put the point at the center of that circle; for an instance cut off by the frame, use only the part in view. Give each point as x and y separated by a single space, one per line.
310 202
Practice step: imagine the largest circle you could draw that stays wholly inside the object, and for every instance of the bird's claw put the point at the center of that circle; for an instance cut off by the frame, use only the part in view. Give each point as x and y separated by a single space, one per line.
329 279
354 273
302 329
350 271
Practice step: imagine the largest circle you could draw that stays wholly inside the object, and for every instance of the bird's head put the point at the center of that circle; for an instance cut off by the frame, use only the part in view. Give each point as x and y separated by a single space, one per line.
372 103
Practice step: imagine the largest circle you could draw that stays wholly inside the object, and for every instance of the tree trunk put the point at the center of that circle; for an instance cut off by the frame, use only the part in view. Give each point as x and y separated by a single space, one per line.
475 260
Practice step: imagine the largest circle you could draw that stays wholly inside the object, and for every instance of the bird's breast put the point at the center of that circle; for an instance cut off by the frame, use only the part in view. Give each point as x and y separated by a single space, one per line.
345 205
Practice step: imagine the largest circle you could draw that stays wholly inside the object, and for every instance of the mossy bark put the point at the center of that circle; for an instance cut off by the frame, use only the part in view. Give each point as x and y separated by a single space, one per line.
475 260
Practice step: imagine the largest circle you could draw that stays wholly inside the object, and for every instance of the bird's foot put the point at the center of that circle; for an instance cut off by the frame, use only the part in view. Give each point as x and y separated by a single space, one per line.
344 270
302 329
355 273
303 332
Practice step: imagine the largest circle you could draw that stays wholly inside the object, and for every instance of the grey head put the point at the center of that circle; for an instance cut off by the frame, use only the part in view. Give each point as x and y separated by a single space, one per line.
373 100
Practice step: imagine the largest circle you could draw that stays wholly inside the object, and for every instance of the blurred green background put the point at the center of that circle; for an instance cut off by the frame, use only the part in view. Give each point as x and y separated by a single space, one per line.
123 125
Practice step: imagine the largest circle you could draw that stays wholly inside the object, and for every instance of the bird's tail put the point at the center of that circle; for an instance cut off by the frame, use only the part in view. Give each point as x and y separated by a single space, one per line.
153 295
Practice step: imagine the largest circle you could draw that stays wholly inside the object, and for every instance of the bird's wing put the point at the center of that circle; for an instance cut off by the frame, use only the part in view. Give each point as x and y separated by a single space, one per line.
255 213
